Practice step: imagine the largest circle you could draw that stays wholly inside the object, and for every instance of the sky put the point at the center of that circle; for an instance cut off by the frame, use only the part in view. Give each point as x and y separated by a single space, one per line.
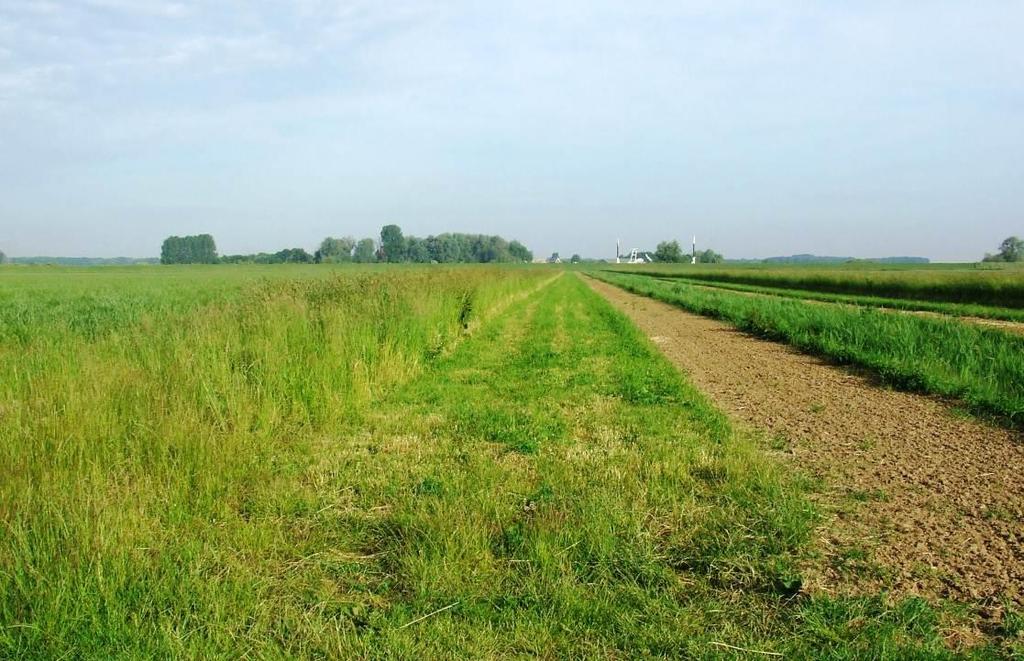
764 128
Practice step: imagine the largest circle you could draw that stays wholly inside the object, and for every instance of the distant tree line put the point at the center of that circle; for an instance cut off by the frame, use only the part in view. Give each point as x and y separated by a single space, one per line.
286 256
449 248
829 259
393 247
1010 250
670 251
84 261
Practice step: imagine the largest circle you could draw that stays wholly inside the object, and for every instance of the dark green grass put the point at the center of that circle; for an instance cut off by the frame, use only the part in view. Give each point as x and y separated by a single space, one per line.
982 367
995 287
951 309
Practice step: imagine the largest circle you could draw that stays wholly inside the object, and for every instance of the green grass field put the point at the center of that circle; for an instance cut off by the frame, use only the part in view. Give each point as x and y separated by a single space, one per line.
987 285
470 462
907 304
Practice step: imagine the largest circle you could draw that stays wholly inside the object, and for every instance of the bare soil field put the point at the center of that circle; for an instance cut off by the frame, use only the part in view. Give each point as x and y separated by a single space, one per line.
922 500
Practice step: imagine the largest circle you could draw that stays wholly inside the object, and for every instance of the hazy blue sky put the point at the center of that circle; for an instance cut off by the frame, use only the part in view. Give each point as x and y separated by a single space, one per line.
775 127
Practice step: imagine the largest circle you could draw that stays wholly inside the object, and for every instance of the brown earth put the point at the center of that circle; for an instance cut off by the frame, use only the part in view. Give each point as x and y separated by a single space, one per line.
920 500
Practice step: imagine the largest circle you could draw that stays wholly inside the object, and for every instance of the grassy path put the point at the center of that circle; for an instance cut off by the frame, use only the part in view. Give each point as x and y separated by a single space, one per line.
550 486
559 490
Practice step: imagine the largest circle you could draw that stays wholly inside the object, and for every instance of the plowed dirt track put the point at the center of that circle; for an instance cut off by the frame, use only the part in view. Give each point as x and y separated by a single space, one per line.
921 500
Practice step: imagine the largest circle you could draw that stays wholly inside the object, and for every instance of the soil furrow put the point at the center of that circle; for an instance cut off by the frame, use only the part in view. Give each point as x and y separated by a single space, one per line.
923 501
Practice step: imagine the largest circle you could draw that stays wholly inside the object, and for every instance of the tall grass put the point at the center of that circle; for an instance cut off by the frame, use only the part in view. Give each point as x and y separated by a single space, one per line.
991 287
982 367
952 309
331 467
159 419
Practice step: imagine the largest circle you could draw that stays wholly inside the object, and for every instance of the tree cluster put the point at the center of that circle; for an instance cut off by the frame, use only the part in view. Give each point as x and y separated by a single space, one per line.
670 251
198 249
1010 250
449 248
446 248
346 249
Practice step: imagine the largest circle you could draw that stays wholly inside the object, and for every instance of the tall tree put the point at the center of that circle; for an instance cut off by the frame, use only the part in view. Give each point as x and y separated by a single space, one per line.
1012 249
668 251
392 243
365 251
196 249
336 250
519 252
3 257
416 250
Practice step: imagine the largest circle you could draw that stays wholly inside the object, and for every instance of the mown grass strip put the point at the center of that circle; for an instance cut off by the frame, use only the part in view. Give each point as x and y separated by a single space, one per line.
984 368
560 481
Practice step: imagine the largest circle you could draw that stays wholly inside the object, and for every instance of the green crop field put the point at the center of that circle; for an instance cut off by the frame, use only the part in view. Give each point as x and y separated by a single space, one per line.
989 285
421 462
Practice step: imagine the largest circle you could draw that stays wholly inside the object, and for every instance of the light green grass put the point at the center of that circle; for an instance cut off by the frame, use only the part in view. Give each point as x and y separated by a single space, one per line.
951 309
332 468
987 285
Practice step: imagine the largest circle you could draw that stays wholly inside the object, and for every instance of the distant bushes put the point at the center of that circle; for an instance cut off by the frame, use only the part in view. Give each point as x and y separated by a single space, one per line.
670 252
286 256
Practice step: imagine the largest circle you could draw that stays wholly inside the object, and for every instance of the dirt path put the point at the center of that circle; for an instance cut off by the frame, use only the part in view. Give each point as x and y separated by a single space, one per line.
924 502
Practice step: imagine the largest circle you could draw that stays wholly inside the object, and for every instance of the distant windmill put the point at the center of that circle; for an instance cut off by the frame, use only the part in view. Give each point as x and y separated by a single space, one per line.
635 256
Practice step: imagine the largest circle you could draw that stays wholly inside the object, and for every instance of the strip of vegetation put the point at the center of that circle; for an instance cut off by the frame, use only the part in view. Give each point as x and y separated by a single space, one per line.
548 487
982 367
132 448
951 309
995 288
